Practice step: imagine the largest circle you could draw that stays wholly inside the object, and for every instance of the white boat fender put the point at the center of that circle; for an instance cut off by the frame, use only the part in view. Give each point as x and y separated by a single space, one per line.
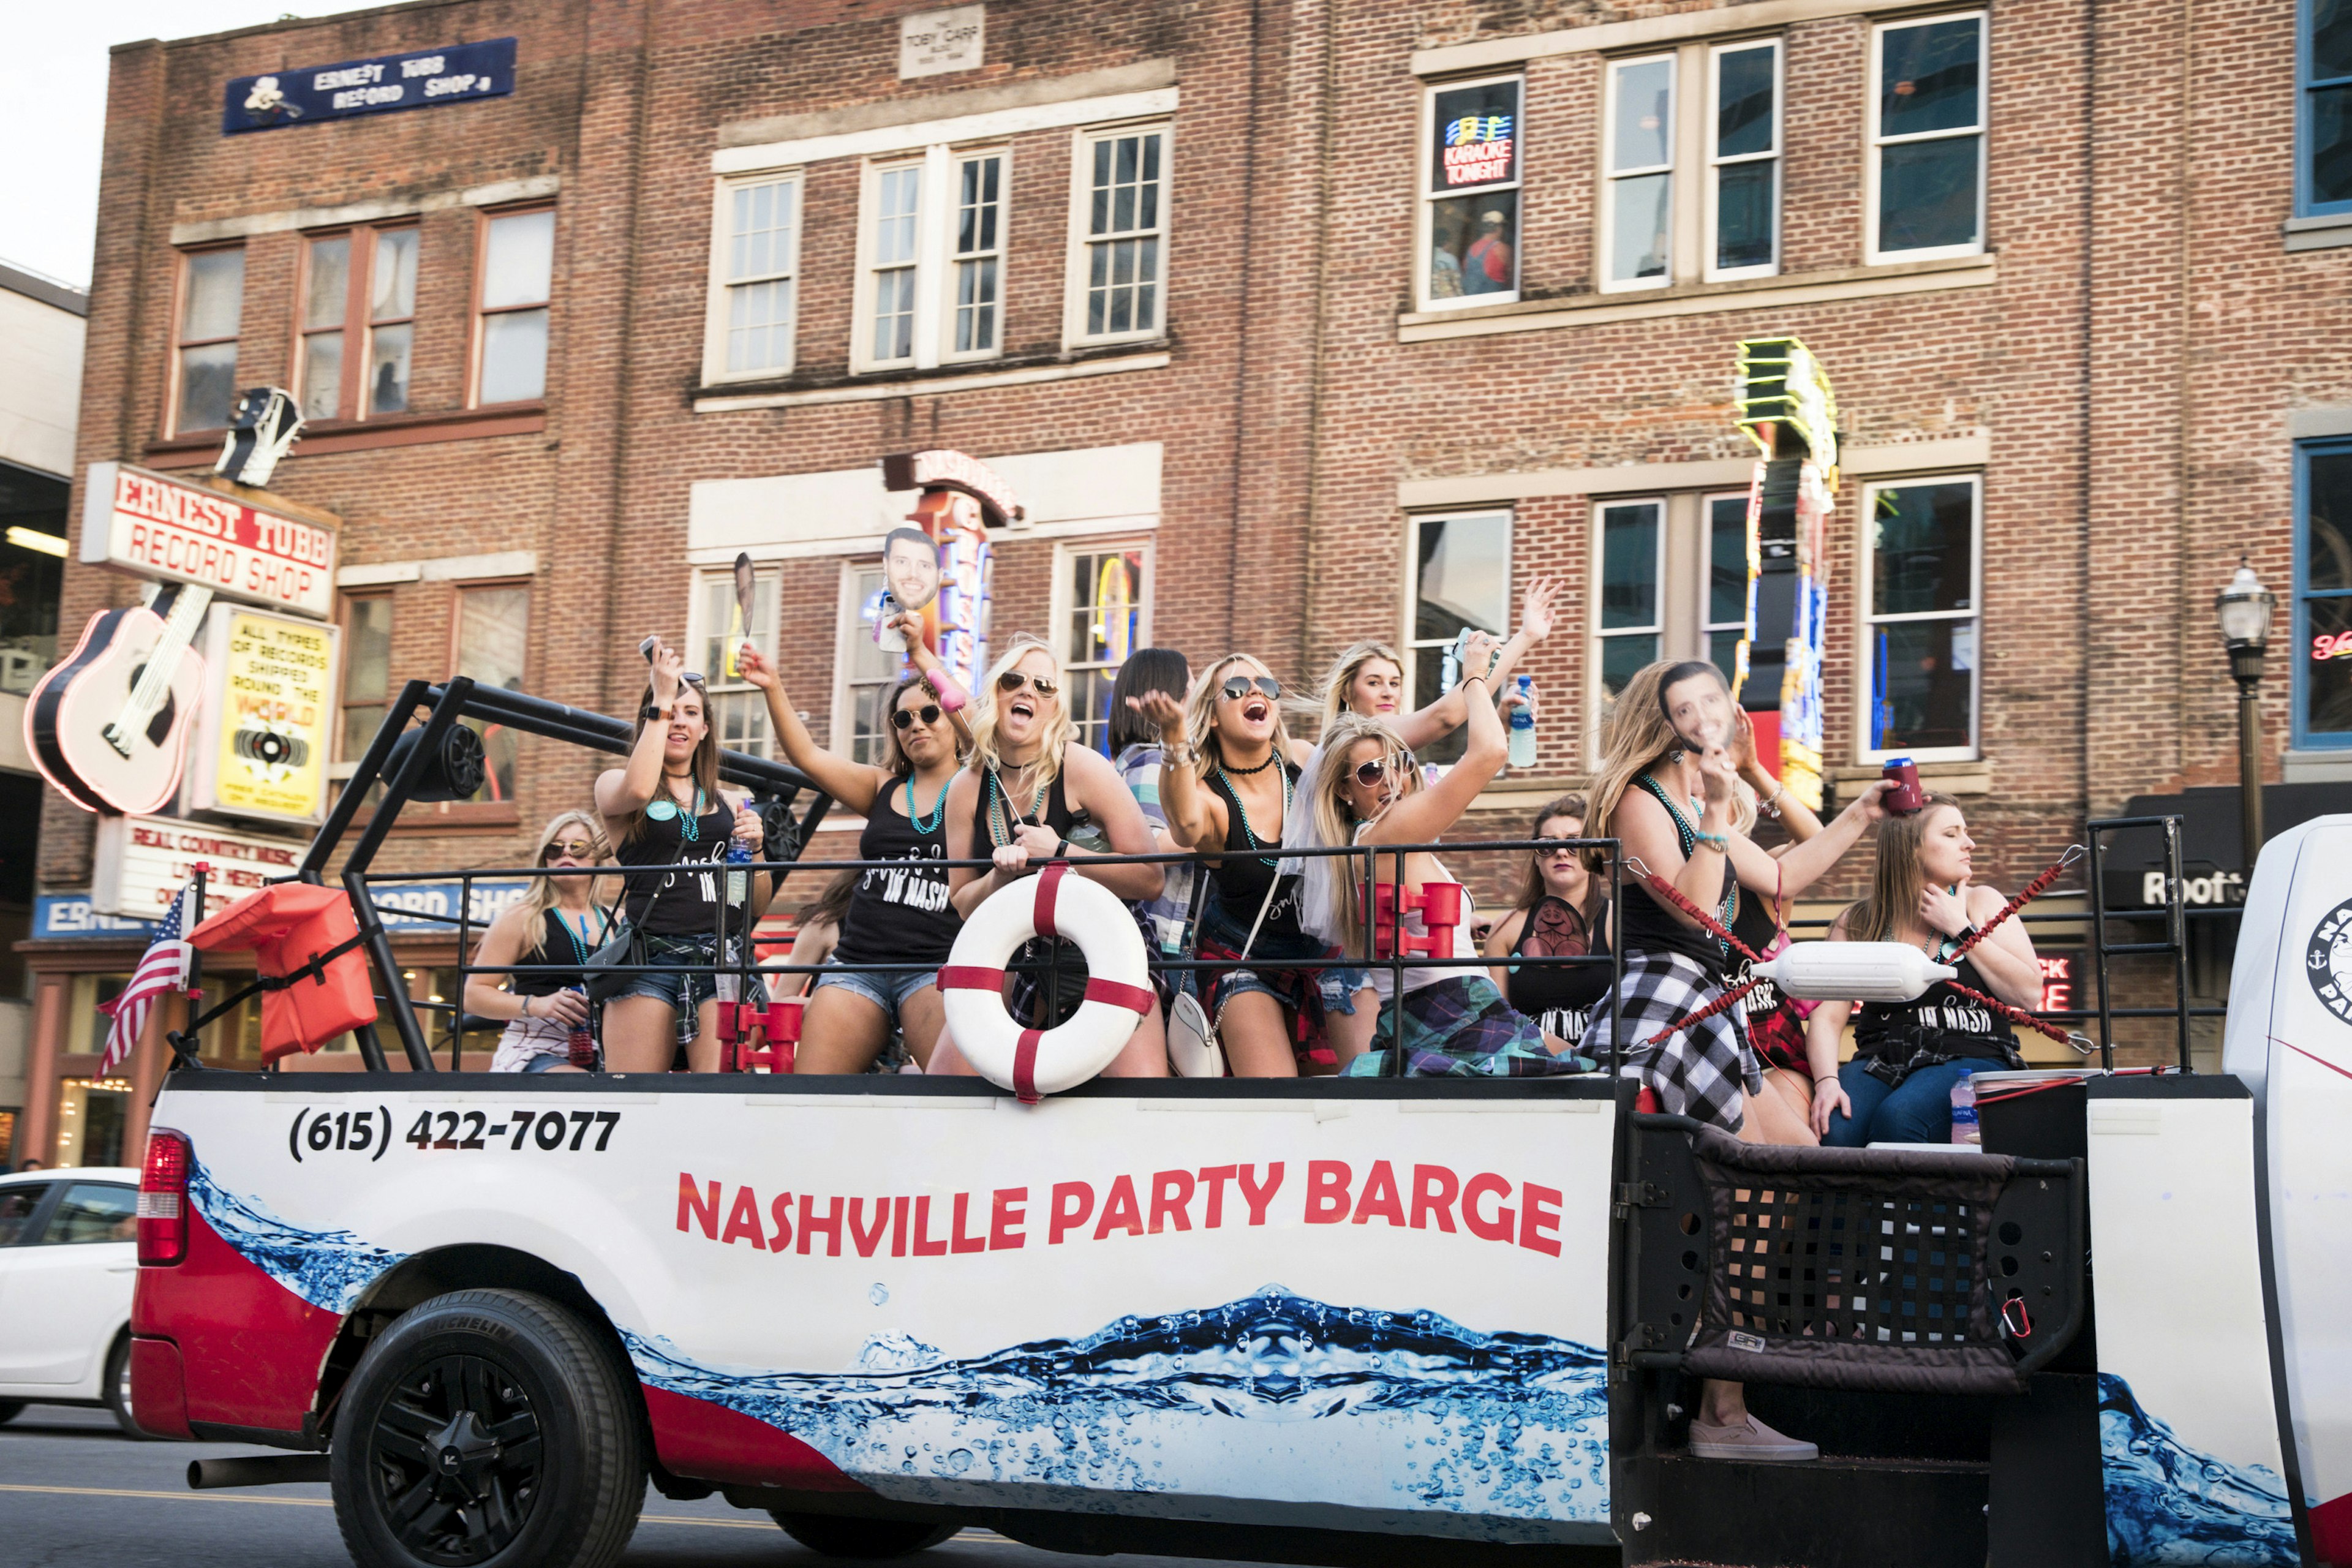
1036 1062
1853 971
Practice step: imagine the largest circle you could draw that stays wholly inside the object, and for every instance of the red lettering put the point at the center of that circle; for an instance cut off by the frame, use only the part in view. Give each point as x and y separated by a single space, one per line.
866 1241
743 1220
1498 1228
956 1238
1434 1190
1119 1209
1004 1219
691 1201
1170 1191
1539 1215
781 1211
1380 1196
1260 1198
924 1246
1326 1191
1216 1176
811 1225
898 1227
1069 1214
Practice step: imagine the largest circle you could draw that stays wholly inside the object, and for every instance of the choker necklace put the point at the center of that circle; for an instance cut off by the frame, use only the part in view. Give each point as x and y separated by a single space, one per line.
1243 773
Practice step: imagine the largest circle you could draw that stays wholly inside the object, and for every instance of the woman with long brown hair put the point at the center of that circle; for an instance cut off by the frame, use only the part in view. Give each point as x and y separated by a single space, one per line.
559 919
1562 910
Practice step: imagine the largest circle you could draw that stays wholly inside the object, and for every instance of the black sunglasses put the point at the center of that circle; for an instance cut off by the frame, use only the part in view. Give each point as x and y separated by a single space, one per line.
904 718
1238 687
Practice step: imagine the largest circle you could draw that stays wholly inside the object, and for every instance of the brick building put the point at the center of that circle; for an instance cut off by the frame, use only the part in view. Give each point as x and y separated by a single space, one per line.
1270 368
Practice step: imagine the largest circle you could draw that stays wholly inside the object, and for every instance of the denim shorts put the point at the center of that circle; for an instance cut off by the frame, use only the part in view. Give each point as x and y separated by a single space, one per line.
690 982
886 991
546 1062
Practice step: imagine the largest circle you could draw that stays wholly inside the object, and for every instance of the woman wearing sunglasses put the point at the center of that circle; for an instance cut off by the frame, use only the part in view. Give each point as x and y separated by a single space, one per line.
1030 788
1227 783
667 813
559 919
895 916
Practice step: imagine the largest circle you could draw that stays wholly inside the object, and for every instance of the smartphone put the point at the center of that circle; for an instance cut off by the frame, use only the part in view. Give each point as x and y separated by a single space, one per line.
887 637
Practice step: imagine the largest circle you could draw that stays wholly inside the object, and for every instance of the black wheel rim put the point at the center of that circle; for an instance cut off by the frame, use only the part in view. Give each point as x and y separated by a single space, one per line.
456 1459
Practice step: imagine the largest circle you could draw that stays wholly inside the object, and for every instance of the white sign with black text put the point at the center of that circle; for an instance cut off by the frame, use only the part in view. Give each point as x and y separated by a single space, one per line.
143 861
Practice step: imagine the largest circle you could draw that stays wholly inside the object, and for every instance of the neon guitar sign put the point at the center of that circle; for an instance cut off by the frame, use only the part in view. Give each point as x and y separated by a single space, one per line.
110 726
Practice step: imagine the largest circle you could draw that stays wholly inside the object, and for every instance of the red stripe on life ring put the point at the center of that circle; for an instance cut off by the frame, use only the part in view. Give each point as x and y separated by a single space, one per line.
1137 999
1049 887
1024 1067
970 977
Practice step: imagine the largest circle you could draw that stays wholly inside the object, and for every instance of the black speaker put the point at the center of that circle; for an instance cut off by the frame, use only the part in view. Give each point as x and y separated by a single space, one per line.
455 772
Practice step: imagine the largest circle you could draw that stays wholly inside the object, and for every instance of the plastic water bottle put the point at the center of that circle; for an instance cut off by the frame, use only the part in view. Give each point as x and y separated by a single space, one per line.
1965 1128
1523 726
739 883
582 1047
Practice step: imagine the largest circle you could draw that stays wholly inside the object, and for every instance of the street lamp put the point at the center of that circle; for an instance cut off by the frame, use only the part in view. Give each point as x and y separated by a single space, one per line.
2244 610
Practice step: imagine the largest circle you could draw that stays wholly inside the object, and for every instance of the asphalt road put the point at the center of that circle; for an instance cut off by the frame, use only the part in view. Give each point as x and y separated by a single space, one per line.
75 1493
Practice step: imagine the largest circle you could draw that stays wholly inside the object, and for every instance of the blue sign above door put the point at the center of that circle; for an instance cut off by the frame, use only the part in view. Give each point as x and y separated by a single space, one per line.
420 78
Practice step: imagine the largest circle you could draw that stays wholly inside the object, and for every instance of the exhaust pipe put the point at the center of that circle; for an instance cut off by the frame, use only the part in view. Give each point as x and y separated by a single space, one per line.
256 1470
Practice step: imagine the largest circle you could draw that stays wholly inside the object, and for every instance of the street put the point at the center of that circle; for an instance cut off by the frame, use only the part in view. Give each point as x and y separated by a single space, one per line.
77 1492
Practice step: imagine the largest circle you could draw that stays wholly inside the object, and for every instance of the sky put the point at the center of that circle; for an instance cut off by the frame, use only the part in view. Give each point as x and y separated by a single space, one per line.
53 111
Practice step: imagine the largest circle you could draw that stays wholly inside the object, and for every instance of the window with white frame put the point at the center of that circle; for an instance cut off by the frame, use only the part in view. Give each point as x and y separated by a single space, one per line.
1743 174
1920 616
1630 622
1120 186
757 262
510 334
1461 577
1637 214
1104 597
1928 139
863 672
1470 200
979 259
739 710
893 226
931 257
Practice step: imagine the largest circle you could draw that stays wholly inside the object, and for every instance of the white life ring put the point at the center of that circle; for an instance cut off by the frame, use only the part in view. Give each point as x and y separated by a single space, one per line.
1033 1062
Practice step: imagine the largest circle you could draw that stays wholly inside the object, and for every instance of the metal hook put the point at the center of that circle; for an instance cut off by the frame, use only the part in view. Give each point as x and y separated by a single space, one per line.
2073 852
2023 1318
2083 1044
1633 864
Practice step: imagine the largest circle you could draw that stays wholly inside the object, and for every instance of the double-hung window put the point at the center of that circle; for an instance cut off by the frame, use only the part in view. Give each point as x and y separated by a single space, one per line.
1106 602
516 275
1120 191
367 670
2320 643
493 636
2324 125
1921 617
864 672
757 263
979 256
1631 623
930 286
1637 214
893 228
1470 198
1927 170
359 323
1743 173
1461 565
739 710
212 304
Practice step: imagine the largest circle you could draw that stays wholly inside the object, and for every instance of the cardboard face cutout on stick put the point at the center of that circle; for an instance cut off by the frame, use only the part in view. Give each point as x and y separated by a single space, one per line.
960 499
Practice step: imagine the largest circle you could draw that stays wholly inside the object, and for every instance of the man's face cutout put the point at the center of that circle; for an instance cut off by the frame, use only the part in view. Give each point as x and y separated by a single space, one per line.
911 564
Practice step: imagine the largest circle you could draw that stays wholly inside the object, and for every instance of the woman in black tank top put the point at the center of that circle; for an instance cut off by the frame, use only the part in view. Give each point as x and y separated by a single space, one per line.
665 812
1897 1088
898 913
1561 912
558 921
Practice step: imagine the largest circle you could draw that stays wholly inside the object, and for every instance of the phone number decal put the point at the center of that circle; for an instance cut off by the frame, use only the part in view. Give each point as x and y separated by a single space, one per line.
369 1133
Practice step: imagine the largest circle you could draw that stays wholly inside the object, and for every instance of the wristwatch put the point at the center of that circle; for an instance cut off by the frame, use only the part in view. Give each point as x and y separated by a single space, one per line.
659 711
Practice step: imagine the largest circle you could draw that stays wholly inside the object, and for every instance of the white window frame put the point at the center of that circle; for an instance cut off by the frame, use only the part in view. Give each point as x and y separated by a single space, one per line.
923 330
699 630
1611 175
849 626
1062 605
1715 162
1081 243
721 286
954 260
1867 620
1413 648
1425 226
1596 693
1875 144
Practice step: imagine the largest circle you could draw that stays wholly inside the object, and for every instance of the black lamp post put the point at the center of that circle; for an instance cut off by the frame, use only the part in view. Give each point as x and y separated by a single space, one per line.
2244 610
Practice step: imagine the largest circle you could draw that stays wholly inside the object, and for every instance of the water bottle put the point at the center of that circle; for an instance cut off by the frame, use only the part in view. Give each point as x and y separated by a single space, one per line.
1965 1129
1523 726
739 883
582 1046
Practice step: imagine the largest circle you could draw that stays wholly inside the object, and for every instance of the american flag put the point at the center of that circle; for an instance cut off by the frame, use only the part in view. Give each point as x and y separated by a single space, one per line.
162 967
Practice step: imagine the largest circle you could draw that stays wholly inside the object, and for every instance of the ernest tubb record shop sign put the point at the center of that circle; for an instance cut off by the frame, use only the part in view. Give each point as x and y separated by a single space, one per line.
157 527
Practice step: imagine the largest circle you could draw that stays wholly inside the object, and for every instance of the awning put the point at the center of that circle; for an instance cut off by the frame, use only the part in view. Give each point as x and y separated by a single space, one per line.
2213 857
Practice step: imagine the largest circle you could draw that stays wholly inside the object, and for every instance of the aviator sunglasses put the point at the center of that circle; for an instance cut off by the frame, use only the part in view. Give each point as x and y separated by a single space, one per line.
1013 680
1370 774
1239 687
578 848
904 718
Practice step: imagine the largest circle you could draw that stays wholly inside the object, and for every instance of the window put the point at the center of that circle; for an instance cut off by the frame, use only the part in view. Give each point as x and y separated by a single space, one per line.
892 233
1630 624
1461 577
92 1211
212 304
1107 599
759 227
1727 602
516 274
1122 200
866 672
1926 139
1637 215
493 633
1743 203
17 1202
2320 640
2323 129
979 253
360 286
1920 618
367 670
739 710
1470 201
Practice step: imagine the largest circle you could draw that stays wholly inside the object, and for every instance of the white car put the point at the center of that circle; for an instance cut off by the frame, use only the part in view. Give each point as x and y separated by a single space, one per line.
69 1259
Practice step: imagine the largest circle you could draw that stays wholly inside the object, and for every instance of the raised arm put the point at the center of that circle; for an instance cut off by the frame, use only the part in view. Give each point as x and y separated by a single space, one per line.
1420 817
626 789
1451 710
1799 868
854 784
1196 817
954 700
1771 794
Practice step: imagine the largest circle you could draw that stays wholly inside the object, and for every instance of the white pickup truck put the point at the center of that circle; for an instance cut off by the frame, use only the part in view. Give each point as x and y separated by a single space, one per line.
1307 1321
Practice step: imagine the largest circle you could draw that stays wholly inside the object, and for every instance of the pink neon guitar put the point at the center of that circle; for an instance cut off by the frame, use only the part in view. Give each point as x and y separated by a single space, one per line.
109 725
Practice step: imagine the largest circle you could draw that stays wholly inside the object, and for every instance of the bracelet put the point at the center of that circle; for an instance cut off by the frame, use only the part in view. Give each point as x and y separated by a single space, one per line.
1716 840
526 1007
1061 848
1178 756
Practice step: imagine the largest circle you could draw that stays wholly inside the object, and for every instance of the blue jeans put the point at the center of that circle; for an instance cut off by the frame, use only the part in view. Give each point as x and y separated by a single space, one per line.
1920 1112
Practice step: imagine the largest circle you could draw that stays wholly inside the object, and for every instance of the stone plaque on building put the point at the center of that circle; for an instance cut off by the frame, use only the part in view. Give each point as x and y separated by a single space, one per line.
933 43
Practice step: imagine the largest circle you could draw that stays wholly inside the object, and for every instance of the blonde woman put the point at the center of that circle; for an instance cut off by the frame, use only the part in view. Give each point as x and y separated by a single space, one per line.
1029 788
559 919
666 813
1227 788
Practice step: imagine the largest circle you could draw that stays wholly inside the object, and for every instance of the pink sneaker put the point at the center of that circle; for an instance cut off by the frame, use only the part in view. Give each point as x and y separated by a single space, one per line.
1747 1438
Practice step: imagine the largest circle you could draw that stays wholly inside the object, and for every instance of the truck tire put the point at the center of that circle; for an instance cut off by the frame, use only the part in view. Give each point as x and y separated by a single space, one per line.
488 1429
118 1388
862 1540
